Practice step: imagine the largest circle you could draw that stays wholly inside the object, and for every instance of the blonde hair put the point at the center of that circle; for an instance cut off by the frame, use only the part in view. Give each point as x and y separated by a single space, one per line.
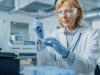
72 3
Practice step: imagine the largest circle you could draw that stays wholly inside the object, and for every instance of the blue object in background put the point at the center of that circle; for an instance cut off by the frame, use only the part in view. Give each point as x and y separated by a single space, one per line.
47 70
29 43
18 38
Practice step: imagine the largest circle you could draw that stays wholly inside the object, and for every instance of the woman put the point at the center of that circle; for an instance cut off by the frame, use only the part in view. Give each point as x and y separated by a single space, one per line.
72 46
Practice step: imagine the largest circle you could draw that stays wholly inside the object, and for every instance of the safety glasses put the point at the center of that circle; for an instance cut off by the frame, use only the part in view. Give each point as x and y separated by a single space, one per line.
71 11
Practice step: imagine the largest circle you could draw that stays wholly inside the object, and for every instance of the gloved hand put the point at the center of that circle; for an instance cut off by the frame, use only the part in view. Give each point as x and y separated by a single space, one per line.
54 43
39 30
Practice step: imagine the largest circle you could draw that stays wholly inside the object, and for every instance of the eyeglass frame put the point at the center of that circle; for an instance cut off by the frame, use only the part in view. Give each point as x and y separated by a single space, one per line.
68 10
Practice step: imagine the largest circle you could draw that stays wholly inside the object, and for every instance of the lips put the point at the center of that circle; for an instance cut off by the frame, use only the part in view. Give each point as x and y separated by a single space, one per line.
65 21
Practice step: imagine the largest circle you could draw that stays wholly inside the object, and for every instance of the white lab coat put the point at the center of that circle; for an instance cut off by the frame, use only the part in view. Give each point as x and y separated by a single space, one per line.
86 51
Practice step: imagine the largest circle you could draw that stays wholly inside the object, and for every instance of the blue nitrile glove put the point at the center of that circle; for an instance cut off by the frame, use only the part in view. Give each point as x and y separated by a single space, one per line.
39 29
54 43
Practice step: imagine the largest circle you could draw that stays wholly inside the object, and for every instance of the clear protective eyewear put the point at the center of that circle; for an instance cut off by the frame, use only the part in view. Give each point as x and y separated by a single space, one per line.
71 11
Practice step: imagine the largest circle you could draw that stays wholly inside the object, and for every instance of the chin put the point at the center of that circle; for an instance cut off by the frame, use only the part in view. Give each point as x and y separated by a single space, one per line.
65 25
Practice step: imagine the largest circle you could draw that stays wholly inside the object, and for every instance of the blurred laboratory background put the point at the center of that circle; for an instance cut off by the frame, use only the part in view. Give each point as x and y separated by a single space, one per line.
18 16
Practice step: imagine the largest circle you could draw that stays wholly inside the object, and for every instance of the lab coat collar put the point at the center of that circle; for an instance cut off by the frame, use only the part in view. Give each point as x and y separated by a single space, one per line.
72 33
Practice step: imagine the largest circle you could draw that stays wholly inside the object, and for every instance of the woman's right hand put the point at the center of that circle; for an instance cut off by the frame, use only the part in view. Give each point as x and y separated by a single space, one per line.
39 30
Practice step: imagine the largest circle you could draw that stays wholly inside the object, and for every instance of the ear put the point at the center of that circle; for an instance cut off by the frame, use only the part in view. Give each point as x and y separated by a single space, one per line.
78 14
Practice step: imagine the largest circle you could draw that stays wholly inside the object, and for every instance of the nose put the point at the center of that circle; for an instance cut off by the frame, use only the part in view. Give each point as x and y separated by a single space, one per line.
64 15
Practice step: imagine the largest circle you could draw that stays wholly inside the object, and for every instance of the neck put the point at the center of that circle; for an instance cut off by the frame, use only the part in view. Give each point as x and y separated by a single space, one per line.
70 29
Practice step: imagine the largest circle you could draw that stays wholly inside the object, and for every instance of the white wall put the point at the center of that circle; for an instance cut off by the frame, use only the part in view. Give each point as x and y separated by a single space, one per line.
3 33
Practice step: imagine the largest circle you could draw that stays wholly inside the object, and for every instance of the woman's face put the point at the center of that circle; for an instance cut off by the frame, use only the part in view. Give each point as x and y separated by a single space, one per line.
67 15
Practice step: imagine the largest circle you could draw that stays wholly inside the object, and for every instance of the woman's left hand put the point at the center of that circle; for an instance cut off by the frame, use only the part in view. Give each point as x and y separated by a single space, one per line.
54 43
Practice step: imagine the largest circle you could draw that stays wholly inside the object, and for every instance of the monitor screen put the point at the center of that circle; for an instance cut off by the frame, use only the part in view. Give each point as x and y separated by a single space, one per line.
18 38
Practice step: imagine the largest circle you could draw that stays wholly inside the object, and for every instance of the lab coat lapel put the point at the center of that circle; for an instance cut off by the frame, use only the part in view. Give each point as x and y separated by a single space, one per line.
76 39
